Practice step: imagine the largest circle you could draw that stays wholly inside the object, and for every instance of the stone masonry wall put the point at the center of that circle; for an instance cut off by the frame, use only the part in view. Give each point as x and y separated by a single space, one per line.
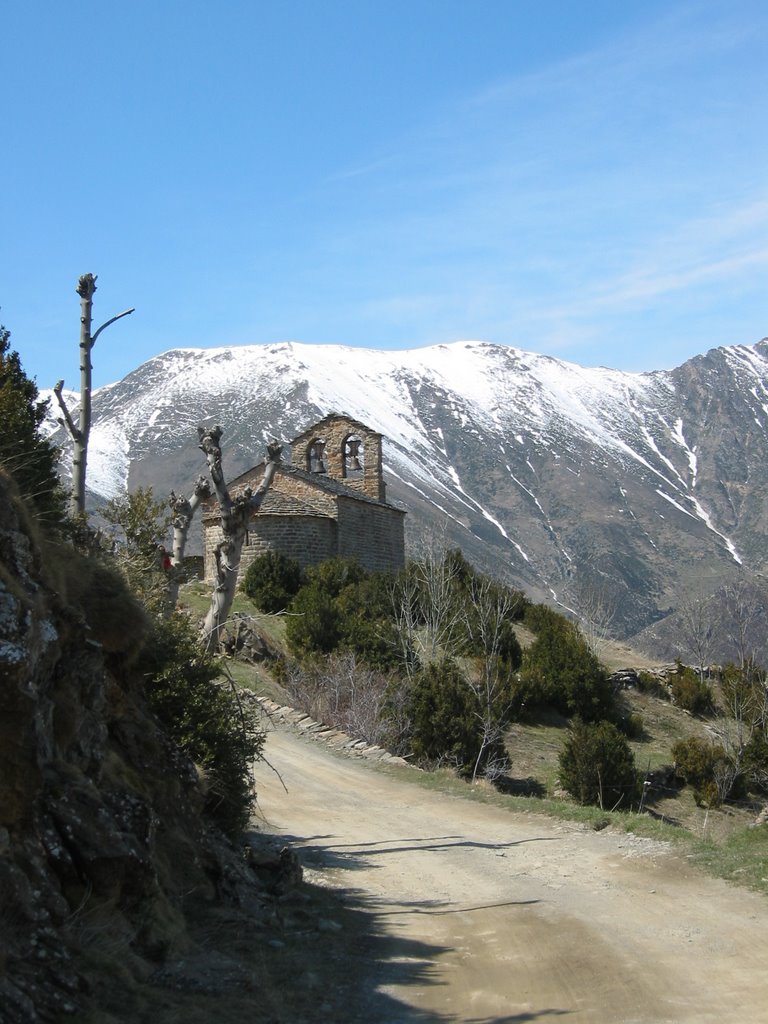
308 539
373 534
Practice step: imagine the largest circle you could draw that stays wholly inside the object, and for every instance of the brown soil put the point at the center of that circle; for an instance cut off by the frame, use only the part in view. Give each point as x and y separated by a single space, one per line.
442 909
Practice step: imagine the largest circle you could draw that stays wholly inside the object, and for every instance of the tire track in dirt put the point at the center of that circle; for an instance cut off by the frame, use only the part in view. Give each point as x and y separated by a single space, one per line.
523 917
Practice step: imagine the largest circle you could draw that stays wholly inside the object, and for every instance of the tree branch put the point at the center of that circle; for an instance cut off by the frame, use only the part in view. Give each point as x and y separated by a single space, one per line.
119 315
68 421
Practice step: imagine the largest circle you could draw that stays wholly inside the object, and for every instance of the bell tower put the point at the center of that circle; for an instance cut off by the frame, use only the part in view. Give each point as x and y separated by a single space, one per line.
345 450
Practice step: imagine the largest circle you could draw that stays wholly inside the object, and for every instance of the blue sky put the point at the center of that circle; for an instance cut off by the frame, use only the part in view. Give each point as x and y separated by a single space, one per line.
582 178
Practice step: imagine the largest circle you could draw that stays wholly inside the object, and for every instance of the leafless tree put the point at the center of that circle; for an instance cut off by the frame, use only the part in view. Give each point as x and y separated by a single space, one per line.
743 609
404 599
81 432
486 620
439 613
698 629
235 515
744 696
598 604
182 512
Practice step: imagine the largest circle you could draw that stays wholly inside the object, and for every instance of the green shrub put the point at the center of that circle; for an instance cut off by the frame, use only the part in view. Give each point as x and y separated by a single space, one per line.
538 617
366 621
374 641
689 692
631 725
313 626
756 759
271 581
343 607
28 456
334 574
704 766
143 521
597 765
445 717
652 685
560 670
212 726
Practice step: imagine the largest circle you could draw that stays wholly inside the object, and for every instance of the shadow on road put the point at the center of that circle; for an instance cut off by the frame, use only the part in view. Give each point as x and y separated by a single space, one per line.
320 851
332 955
519 1018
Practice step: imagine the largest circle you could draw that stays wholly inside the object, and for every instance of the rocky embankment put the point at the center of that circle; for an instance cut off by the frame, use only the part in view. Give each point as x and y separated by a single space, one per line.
105 855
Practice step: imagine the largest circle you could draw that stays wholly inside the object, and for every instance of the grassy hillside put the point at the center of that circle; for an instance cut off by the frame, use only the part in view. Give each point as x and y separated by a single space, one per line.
721 839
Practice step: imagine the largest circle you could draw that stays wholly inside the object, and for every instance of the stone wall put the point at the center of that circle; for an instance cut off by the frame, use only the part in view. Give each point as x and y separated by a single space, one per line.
307 539
373 534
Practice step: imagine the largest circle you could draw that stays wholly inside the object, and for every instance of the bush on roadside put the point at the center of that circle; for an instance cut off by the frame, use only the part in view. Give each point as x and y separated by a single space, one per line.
597 765
560 670
206 719
445 717
705 767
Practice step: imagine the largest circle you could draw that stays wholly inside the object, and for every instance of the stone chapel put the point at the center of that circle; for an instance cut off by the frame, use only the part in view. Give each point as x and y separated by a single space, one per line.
327 499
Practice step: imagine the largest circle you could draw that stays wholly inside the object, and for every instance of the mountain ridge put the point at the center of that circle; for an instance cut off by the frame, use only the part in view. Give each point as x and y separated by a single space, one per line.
561 479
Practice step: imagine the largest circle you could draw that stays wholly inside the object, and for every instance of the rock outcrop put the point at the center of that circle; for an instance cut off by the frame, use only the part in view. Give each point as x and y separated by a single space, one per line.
103 845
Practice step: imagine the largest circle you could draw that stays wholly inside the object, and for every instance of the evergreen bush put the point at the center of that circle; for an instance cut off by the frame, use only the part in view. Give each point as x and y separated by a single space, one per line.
272 581
28 456
597 765
704 766
313 626
445 717
560 670
690 692
216 730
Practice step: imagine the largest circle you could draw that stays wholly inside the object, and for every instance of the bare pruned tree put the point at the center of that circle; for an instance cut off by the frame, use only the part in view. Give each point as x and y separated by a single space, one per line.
235 515
487 619
182 513
80 433
698 629
597 606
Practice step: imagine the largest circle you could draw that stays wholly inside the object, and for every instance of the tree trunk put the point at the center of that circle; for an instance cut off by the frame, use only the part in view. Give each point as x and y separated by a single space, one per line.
235 516
86 286
80 434
183 511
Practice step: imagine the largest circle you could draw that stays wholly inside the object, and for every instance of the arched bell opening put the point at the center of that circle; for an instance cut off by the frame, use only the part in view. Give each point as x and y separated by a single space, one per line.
316 456
353 457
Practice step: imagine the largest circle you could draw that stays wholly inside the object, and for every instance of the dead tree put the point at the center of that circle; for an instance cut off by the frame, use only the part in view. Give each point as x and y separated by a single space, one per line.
487 617
183 511
235 516
80 434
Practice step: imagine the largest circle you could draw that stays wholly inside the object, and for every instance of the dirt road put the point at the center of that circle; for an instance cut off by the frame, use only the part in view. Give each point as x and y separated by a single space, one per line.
489 917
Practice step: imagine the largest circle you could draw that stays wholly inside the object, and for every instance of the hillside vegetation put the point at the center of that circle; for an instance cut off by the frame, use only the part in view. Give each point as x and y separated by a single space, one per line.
126 749
456 672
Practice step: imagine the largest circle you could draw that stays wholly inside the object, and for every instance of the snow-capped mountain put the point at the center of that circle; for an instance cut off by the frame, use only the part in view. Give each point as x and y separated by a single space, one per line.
569 482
